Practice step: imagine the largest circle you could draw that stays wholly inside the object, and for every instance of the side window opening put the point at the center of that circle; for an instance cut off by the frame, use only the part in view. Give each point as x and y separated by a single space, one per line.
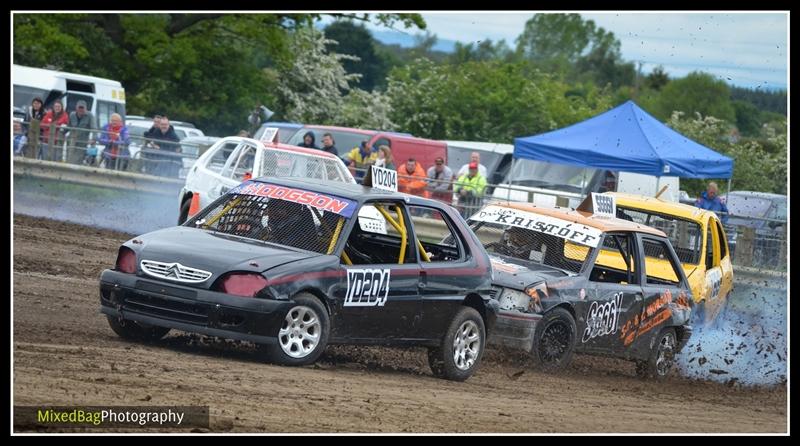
709 249
659 266
723 242
217 161
616 261
380 236
685 235
244 163
436 239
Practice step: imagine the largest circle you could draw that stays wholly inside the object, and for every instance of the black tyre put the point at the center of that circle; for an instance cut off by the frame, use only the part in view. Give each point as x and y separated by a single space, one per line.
136 331
460 352
662 356
554 340
304 334
183 215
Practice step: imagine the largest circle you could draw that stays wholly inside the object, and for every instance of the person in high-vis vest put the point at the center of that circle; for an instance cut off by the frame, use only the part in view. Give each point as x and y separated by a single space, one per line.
470 188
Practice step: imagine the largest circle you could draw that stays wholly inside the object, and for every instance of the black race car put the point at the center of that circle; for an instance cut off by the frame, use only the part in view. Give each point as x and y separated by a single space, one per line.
570 281
295 265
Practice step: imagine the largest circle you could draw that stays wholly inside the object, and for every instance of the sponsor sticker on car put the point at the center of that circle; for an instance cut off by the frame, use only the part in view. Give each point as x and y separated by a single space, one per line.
324 202
564 229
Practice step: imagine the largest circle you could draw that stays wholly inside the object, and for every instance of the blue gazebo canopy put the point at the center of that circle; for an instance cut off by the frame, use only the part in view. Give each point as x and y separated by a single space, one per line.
628 139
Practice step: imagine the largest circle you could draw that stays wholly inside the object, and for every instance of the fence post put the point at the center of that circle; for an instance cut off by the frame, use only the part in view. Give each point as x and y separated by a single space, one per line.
33 139
51 143
744 247
782 260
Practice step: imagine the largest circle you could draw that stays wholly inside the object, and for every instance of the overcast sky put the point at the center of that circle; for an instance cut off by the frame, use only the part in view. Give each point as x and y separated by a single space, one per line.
747 49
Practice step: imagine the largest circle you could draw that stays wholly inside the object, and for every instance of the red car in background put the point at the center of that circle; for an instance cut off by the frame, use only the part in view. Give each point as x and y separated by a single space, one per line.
403 145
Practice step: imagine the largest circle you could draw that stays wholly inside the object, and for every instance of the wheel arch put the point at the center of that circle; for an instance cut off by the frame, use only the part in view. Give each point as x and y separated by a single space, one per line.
475 301
317 294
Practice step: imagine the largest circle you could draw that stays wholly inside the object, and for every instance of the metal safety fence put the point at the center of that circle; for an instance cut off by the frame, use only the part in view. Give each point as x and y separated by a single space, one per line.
98 148
753 242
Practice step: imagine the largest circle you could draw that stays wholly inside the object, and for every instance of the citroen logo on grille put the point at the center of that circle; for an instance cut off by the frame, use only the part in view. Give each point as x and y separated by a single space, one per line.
174 271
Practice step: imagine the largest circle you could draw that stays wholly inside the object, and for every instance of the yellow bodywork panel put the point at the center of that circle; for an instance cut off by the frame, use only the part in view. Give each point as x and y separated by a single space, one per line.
710 285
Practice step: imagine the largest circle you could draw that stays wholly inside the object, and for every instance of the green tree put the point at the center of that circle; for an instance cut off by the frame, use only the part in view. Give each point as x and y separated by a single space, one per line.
554 37
312 89
571 46
485 100
657 78
754 168
483 51
748 118
696 93
211 69
356 40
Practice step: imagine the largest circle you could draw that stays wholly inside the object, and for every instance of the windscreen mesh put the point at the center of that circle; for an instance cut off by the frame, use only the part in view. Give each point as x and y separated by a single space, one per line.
532 246
272 220
685 236
286 164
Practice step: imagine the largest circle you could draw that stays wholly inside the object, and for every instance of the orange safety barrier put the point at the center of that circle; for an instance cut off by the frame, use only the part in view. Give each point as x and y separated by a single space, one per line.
194 208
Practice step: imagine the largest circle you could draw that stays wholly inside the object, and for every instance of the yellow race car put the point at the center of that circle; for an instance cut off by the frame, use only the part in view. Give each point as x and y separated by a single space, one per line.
700 242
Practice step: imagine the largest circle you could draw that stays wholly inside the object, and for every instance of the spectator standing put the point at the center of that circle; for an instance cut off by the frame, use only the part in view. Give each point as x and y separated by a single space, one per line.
359 159
411 179
710 201
114 136
309 141
35 112
474 157
470 188
151 161
440 181
385 158
166 140
33 117
329 144
153 128
20 139
81 123
52 133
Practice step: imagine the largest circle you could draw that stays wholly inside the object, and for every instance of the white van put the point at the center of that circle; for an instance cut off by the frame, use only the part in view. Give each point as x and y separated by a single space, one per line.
103 96
549 184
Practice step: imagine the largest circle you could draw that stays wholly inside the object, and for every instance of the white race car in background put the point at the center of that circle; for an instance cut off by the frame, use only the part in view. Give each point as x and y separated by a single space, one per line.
233 159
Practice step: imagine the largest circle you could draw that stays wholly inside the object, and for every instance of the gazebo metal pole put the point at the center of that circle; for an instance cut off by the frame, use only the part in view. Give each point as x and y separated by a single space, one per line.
510 172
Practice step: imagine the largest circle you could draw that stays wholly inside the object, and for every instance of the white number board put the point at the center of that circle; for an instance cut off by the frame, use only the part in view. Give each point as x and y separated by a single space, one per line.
385 179
270 135
604 205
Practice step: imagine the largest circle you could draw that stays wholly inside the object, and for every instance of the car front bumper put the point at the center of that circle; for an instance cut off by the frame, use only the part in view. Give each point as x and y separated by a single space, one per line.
514 329
153 302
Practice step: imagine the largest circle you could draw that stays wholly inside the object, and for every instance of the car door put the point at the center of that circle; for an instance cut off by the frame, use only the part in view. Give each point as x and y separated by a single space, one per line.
662 285
608 315
205 176
725 266
238 168
378 296
713 278
443 261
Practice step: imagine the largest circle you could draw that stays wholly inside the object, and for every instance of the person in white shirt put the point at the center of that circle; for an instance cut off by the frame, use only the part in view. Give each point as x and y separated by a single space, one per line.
475 157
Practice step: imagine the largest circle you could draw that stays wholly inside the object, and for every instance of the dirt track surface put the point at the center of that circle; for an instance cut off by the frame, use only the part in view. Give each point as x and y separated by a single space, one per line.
65 354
